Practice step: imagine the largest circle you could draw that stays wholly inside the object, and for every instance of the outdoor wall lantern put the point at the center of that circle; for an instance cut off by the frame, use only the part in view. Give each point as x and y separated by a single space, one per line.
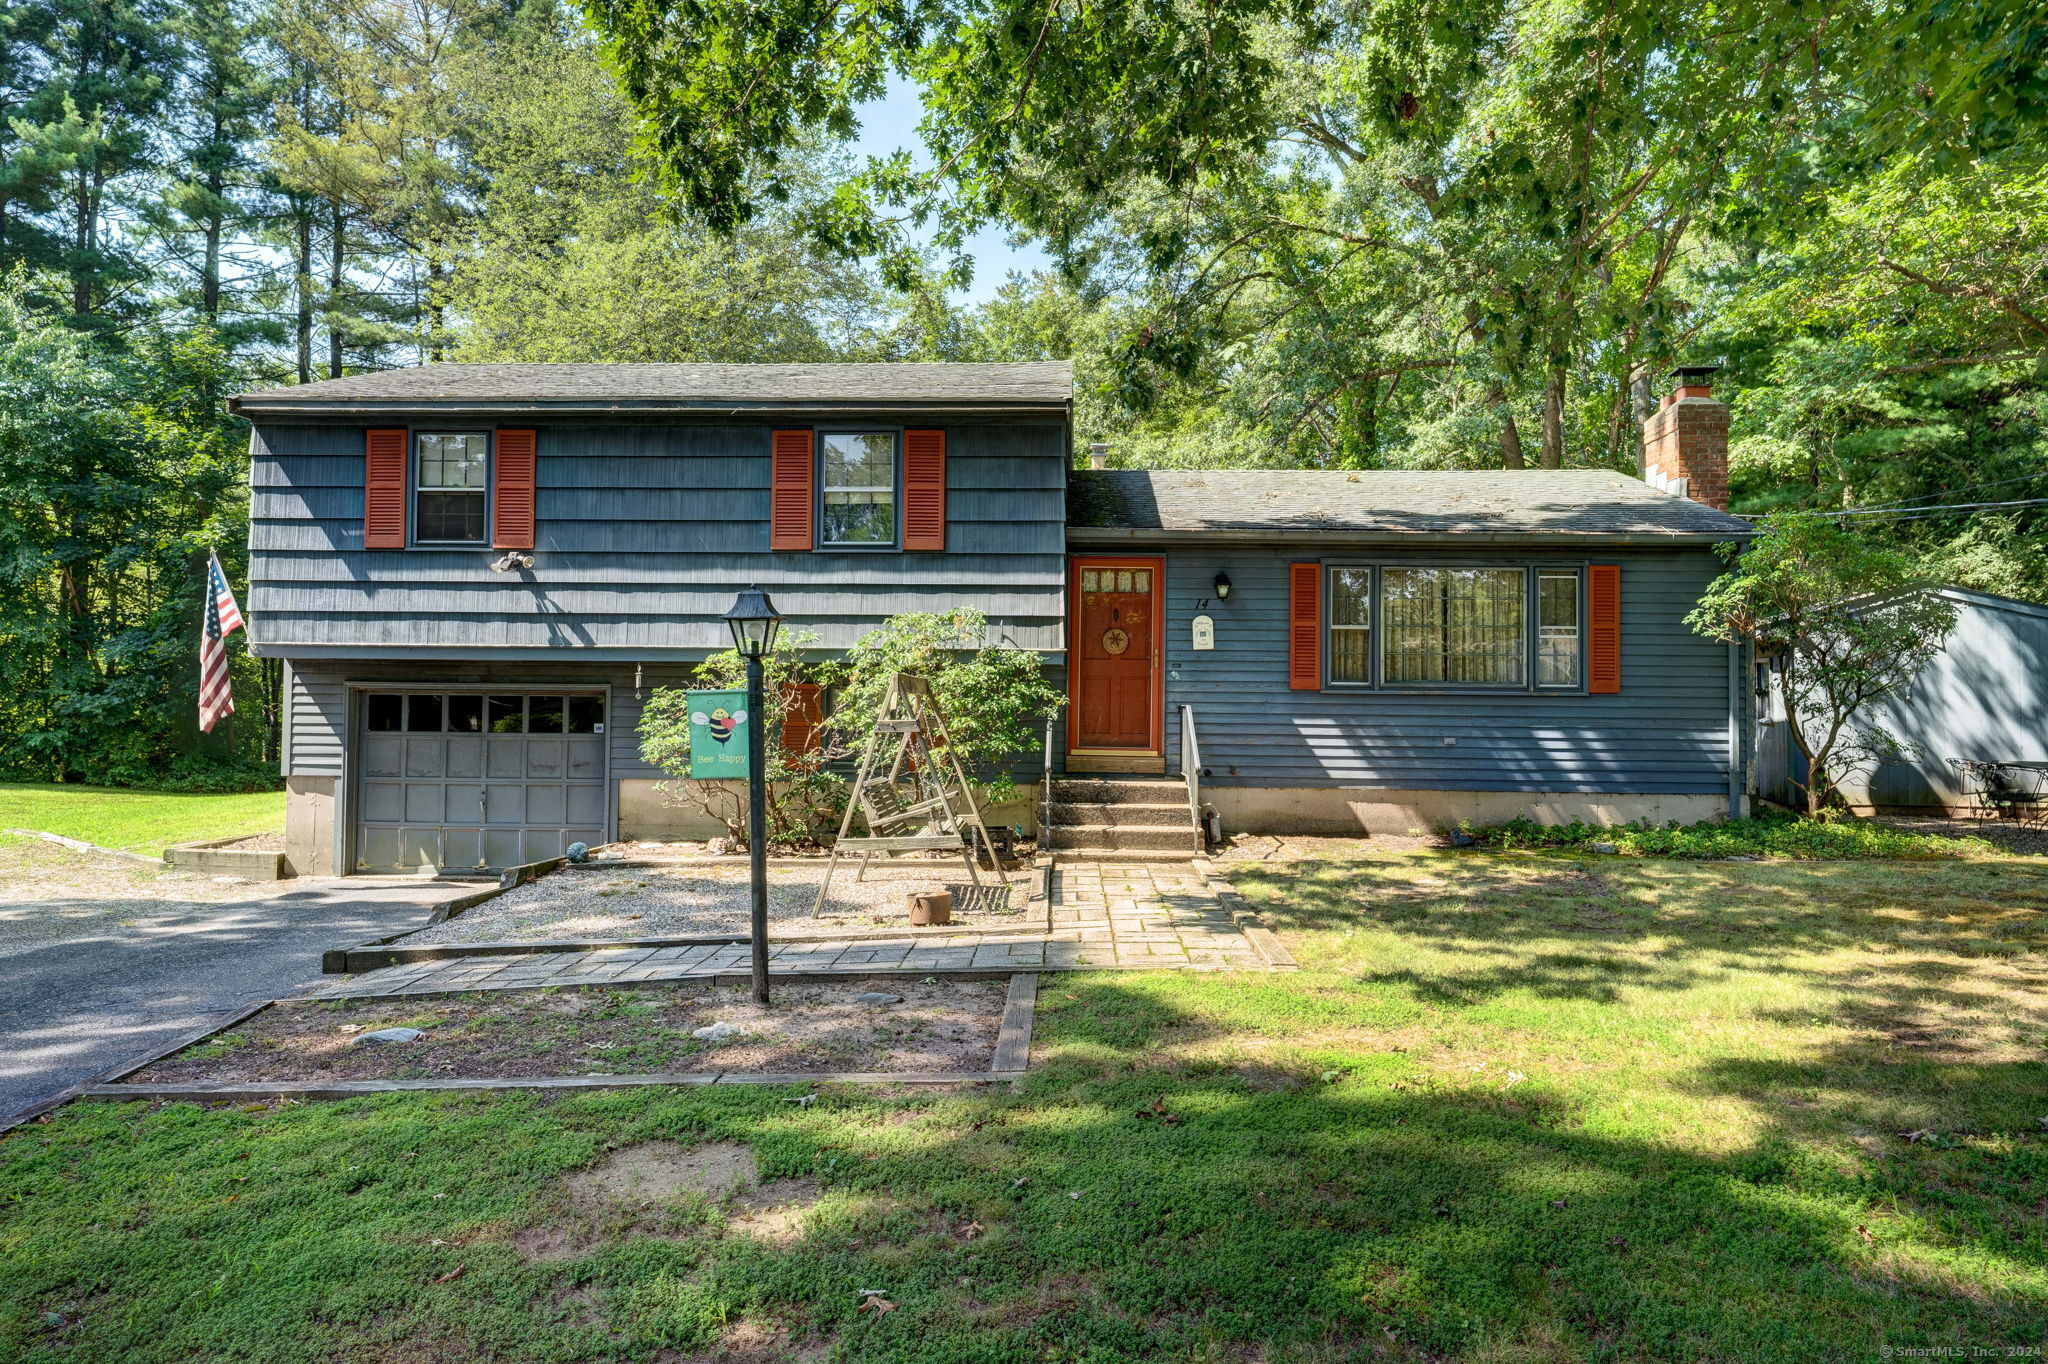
754 620
1222 585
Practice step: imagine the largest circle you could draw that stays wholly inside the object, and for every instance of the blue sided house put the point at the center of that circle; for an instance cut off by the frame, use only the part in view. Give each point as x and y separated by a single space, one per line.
476 573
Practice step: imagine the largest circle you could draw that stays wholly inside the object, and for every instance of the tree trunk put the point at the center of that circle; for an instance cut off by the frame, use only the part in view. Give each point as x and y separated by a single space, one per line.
1510 434
1552 454
303 286
1643 406
336 246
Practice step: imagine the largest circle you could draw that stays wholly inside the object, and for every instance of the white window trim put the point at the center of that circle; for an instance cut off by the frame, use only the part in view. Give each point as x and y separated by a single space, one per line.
894 488
1531 635
420 485
1578 681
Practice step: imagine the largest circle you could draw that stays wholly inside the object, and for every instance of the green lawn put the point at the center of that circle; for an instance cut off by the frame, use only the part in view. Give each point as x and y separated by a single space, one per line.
137 821
1515 1108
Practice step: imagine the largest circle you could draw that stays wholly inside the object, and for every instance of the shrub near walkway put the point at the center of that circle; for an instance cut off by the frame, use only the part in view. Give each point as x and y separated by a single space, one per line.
1515 1107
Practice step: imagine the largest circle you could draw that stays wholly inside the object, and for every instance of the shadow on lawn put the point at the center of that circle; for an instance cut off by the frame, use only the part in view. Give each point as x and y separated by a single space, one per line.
1517 922
1466 1213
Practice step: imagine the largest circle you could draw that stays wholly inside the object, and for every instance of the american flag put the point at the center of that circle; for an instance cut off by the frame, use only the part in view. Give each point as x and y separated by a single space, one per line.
223 618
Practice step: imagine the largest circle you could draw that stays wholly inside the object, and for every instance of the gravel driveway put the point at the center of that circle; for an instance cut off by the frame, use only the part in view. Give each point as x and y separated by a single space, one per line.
610 904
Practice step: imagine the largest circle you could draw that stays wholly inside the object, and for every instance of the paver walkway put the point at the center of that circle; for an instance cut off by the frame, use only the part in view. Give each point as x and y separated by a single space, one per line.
1173 917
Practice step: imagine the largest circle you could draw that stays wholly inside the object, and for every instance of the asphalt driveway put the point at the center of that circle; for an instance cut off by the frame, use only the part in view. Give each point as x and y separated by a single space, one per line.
99 963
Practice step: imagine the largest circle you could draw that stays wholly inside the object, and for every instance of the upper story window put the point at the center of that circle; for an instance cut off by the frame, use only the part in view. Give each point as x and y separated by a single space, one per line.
859 486
451 487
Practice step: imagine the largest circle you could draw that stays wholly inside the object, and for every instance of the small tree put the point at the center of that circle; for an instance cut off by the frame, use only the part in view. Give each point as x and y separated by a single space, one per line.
804 799
994 698
1843 619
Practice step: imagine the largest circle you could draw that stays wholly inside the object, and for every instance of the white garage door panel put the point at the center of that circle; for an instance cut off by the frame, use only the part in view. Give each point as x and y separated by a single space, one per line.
464 781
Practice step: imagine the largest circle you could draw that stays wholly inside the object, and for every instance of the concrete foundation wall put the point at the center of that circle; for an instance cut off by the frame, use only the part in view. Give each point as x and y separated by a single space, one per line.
643 813
309 826
1337 811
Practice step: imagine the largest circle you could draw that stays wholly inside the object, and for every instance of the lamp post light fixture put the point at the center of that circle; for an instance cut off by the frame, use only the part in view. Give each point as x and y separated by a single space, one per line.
1222 585
754 621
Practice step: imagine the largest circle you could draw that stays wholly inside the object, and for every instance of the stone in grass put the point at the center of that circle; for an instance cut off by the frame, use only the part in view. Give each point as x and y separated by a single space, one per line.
717 1032
878 997
1607 848
384 1035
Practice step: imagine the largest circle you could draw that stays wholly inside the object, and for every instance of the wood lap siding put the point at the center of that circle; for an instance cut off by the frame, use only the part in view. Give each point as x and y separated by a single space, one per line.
1667 733
793 482
643 533
512 490
924 490
384 483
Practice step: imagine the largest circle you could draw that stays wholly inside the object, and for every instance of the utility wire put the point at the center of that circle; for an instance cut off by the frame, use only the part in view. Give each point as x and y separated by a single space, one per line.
1908 513
1966 488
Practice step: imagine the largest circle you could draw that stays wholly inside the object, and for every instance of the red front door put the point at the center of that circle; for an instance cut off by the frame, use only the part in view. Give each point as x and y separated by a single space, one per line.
1115 655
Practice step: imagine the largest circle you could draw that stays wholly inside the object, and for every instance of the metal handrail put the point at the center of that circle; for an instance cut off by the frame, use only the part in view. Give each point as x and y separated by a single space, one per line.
1045 801
1191 764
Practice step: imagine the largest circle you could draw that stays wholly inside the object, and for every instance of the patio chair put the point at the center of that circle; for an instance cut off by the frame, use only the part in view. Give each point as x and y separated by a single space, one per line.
2016 793
1970 787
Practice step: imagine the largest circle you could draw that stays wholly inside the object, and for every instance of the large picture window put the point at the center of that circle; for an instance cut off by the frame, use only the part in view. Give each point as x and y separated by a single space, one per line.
1453 626
859 487
451 487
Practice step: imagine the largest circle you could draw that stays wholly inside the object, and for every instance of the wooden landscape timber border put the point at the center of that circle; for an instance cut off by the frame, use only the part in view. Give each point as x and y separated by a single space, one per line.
386 951
190 1038
1012 1061
335 960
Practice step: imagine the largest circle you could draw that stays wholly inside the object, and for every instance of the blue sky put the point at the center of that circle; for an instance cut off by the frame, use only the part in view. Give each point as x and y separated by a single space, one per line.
889 124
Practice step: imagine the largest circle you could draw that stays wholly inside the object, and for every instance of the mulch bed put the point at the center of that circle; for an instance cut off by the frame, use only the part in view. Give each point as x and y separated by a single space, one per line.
2025 841
945 1026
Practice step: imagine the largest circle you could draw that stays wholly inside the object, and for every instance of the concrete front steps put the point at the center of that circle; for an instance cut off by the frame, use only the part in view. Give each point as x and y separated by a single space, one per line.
1096 819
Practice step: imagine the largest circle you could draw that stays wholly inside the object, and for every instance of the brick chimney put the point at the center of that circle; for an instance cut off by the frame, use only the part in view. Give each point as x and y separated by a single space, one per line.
1685 441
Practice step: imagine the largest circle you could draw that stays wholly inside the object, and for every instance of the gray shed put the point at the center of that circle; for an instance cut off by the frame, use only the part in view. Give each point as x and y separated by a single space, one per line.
1985 695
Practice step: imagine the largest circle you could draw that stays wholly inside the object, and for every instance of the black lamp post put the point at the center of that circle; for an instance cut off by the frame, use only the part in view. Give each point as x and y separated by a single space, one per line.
754 620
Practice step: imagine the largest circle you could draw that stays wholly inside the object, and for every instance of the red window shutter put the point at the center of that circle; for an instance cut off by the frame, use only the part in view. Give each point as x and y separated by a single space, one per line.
1603 620
790 496
803 711
924 490
1304 627
512 495
384 461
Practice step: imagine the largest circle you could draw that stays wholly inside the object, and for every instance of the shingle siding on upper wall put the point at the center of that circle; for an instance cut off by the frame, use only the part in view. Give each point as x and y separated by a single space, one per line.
317 703
644 533
1665 733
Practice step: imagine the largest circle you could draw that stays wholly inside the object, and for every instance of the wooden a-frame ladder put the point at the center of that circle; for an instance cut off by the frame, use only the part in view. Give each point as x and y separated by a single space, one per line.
909 777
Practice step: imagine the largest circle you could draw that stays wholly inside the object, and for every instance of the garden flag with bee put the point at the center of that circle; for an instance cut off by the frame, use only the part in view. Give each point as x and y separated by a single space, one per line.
718 735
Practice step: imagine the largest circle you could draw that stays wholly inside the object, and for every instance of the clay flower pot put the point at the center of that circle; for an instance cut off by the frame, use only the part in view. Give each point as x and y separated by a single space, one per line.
928 907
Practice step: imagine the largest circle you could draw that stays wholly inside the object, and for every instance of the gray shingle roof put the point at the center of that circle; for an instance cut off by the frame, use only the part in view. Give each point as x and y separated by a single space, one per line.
1158 503
1036 384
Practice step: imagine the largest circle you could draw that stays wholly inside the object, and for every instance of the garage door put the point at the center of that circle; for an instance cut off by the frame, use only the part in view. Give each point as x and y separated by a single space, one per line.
469 780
